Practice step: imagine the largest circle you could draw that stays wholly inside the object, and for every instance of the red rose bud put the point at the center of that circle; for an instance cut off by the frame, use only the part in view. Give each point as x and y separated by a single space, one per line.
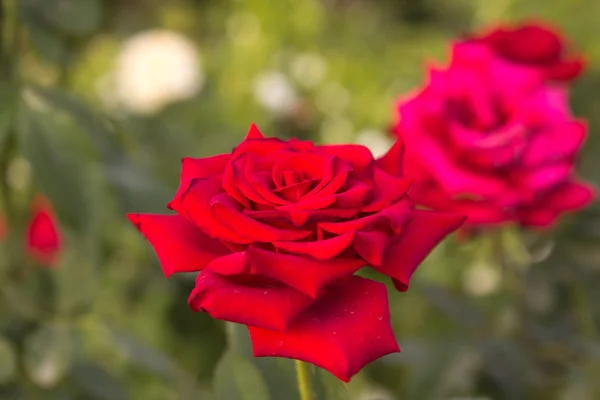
494 141
278 229
534 45
42 238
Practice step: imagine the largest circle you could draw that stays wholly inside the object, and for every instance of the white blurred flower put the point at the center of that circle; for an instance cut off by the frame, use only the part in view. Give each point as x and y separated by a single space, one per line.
481 279
274 92
376 394
376 141
308 69
155 68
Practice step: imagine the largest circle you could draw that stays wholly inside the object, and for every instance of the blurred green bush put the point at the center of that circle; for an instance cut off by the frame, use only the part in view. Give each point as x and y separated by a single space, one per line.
101 99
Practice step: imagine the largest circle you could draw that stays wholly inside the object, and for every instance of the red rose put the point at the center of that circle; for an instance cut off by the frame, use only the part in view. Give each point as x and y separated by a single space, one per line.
279 228
535 45
43 241
494 141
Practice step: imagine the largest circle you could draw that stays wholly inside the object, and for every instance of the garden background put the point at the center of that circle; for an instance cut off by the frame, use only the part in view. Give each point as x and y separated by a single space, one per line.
86 122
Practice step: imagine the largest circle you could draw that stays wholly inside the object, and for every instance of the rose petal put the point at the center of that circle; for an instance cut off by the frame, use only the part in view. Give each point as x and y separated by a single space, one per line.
419 236
342 332
266 306
391 162
321 249
304 274
254 133
195 204
192 168
225 211
565 70
179 245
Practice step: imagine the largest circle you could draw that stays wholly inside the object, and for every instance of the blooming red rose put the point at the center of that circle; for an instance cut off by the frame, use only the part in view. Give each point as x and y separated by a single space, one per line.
278 230
492 140
534 45
43 240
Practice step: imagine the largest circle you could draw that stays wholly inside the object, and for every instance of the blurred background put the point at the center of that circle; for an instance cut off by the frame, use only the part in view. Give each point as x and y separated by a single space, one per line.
99 101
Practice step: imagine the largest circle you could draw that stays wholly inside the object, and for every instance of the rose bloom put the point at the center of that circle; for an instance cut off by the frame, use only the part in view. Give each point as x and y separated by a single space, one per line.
42 239
278 230
492 140
534 45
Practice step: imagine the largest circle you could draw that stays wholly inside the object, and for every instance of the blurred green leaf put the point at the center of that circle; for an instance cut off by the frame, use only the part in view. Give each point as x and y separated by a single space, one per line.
8 361
77 277
71 17
327 386
279 373
48 44
428 376
136 189
98 383
456 308
7 110
48 354
59 173
237 379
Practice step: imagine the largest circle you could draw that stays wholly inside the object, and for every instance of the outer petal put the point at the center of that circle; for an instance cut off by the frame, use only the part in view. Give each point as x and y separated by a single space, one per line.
192 168
391 162
266 306
420 235
179 245
344 331
305 274
320 250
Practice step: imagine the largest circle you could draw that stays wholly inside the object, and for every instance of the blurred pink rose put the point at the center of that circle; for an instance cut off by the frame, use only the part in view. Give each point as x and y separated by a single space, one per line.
534 44
492 140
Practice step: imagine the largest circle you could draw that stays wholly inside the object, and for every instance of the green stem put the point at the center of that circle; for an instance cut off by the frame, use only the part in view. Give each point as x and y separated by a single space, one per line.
9 29
304 385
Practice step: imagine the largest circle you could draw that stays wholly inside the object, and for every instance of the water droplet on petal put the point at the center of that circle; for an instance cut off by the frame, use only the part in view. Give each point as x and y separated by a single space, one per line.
335 333
380 318
266 292
280 343
352 312
316 320
236 291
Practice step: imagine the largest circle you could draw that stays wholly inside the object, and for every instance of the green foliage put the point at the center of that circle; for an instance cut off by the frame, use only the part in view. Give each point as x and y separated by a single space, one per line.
104 324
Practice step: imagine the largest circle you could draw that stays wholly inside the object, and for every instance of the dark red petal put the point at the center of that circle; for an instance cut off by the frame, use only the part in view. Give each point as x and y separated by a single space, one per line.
254 133
388 189
248 228
359 156
321 250
265 306
179 245
192 168
305 274
195 204
391 162
43 239
565 70
342 332
420 235
231 264
371 245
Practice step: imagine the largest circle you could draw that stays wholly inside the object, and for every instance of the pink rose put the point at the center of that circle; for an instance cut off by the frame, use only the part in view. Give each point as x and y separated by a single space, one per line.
492 140
534 45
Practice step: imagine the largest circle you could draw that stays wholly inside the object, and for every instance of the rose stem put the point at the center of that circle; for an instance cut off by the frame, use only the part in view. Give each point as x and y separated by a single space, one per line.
304 385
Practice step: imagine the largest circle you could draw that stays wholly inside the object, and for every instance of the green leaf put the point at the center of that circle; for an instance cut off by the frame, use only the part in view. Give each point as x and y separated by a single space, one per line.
8 361
59 173
237 379
77 277
7 110
279 373
73 17
135 188
48 354
98 383
49 45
